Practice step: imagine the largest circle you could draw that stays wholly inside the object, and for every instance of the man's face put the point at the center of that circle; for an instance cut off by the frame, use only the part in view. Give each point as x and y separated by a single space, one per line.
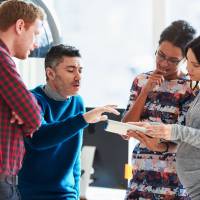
65 77
27 39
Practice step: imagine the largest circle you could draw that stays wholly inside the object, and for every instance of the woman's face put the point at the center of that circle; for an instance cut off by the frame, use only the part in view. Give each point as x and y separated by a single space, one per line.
193 66
168 57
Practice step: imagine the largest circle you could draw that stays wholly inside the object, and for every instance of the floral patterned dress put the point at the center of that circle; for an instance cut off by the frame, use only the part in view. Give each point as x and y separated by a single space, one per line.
154 173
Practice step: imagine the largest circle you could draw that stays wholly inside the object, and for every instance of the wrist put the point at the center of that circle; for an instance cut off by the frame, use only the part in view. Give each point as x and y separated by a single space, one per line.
166 148
86 117
144 91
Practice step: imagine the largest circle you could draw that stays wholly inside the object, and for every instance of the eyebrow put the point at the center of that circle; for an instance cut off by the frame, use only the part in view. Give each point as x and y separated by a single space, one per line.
195 63
175 58
72 66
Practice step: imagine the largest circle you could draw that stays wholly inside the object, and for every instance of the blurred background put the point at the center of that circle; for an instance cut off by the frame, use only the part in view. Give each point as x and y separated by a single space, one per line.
117 40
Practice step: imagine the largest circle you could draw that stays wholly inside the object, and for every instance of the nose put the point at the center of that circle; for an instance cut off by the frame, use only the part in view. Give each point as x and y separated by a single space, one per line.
78 76
164 63
36 41
189 67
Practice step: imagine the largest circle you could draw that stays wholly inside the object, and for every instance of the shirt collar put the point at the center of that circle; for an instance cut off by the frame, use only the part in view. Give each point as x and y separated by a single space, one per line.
3 45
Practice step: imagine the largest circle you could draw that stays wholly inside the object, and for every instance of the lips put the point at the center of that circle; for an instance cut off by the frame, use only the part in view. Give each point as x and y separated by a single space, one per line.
76 84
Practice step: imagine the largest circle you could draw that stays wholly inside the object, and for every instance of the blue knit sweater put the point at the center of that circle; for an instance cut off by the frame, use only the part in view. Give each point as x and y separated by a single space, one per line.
51 166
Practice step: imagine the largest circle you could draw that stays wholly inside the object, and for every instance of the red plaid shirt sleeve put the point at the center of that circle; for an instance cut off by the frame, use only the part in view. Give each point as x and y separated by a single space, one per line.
17 96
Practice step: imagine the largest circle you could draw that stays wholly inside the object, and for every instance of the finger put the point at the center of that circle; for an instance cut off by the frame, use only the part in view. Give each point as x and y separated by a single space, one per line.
111 105
131 133
12 120
159 71
142 135
152 133
103 118
156 76
18 119
110 110
157 80
142 124
20 122
135 135
125 137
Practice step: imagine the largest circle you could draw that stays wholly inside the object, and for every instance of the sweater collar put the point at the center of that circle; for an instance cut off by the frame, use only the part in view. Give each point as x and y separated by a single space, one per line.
53 94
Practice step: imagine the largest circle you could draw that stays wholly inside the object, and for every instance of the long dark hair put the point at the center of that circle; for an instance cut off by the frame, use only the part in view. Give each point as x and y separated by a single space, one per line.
194 45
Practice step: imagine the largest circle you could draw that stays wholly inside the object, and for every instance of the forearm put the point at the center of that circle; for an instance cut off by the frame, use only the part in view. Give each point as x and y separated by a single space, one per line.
162 147
50 134
135 111
172 147
186 134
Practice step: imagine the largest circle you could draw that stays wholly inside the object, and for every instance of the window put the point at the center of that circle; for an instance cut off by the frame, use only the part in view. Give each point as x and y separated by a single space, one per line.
115 40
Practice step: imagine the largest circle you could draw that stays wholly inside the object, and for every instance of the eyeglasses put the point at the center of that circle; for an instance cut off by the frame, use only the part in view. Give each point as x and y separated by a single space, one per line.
170 61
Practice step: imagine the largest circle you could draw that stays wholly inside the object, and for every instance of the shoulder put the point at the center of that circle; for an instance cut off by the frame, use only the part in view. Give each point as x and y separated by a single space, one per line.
78 99
39 95
141 79
184 85
5 58
37 92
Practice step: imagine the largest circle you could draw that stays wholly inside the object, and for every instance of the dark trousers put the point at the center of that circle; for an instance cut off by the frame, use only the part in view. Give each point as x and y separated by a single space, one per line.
8 191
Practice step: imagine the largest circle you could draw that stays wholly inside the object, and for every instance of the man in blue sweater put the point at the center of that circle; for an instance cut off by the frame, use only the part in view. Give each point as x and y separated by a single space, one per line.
51 167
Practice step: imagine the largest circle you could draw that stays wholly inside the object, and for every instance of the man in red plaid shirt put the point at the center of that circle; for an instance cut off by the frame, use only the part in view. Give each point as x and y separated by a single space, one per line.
20 23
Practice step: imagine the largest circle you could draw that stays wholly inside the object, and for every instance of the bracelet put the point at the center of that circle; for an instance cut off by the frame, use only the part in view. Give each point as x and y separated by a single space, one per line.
167 147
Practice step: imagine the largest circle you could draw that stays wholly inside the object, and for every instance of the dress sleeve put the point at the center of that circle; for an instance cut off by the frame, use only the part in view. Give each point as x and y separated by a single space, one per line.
134 93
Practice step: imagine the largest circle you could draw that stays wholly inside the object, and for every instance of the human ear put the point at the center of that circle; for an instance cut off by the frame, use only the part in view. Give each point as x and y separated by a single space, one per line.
50 73
19 26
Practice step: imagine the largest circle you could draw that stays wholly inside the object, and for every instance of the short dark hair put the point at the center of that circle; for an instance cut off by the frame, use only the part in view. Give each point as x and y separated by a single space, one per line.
194 45
56 54
179 33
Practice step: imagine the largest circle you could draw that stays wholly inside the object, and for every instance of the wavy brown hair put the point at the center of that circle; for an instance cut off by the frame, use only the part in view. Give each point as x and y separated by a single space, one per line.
12 10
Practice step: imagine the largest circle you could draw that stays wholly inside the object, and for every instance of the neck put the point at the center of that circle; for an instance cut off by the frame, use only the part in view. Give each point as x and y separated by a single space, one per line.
8 40
53 94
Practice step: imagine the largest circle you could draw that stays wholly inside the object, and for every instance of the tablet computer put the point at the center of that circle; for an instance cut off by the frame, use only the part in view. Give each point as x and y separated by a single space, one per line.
121 128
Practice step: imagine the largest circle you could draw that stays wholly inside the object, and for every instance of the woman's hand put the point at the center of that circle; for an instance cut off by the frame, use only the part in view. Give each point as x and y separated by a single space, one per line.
151 143
161 131
156 78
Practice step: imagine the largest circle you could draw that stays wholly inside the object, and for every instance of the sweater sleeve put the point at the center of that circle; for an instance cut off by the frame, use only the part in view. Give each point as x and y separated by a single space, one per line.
77 174
186 134
50 134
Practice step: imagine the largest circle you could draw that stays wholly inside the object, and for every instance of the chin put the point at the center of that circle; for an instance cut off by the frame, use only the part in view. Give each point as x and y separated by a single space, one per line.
22 57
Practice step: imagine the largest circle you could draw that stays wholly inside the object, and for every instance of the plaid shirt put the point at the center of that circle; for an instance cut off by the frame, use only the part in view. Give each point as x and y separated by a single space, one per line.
14 96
